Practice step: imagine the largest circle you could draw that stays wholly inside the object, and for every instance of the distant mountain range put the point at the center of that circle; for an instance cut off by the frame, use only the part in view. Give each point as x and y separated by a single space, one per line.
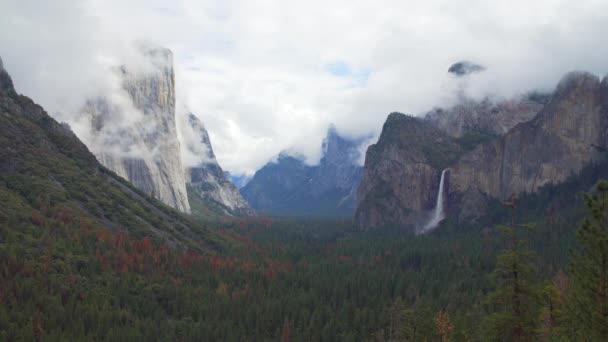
289 187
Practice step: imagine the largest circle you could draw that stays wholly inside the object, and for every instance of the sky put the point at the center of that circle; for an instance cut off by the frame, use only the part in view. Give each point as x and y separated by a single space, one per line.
267 76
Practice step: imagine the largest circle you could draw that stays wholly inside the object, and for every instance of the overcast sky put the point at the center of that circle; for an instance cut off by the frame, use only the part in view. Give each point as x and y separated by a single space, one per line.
271 75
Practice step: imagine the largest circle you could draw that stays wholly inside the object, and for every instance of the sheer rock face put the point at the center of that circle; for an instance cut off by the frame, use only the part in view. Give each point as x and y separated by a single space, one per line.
401 173
290 187
485 116
209 182
338 169
400 183
137 137
557 143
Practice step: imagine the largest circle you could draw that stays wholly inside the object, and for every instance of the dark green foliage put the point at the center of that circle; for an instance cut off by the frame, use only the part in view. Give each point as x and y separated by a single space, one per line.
86 256
586 314
309 279
514 304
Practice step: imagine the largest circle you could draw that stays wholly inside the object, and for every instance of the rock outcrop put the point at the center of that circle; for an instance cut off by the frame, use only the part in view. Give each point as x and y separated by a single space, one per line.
464 68
399 179
134 133
6 82
338 170
401 173
209 182
486 117
557 143
290 187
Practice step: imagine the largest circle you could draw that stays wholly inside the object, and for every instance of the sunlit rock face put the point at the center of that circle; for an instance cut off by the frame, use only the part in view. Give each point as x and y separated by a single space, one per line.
209 181
134 131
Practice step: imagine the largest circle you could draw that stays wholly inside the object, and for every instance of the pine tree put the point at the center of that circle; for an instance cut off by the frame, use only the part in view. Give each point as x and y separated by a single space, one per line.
552 300
514 303
587 298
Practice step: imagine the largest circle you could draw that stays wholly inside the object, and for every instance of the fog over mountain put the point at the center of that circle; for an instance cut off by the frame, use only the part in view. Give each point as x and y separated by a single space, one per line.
264 80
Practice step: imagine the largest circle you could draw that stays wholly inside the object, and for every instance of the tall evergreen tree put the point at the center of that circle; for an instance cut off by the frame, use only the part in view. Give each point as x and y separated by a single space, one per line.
514 303
587 301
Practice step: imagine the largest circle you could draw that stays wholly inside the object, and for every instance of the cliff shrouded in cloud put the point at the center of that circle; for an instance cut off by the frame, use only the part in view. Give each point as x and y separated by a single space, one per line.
144 148
206 179
558 136
271 82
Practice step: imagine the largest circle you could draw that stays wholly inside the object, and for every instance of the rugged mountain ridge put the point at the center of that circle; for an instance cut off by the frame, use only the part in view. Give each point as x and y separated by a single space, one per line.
557 143
44 163
486 116
290 187
568 133
144 147
208 181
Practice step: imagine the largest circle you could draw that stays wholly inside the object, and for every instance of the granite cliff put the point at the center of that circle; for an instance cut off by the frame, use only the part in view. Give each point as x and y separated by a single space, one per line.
400 182
557 143
44 164
401 172
135 135
208 181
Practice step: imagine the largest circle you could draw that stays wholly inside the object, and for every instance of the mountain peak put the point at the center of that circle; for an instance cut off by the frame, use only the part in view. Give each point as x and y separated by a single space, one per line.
6 83
332 131
464 68
576 80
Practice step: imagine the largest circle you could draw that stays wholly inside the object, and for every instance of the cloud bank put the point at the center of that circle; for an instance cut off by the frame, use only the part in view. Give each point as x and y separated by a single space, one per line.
272 75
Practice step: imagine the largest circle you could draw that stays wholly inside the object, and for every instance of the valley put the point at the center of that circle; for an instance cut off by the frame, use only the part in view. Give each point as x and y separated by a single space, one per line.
291 172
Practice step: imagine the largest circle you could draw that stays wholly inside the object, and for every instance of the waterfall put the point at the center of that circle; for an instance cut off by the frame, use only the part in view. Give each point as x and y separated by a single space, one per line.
438 214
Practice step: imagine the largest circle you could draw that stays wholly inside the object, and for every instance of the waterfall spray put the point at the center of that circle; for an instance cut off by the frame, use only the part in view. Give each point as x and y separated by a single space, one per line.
438 214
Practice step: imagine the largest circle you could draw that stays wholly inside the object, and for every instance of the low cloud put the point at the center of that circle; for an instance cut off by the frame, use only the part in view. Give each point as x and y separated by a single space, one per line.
268 76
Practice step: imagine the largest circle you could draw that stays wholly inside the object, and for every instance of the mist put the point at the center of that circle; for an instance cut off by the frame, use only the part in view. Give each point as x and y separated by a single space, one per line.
272 76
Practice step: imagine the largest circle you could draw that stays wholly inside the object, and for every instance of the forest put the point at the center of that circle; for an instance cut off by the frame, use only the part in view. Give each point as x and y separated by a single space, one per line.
532 269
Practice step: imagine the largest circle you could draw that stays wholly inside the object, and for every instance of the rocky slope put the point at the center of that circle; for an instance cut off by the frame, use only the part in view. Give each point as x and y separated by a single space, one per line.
567 133
45 164
136 136
290 187
208 180
487 116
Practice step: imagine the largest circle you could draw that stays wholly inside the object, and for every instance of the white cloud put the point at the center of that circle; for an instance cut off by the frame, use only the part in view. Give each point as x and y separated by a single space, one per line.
262 74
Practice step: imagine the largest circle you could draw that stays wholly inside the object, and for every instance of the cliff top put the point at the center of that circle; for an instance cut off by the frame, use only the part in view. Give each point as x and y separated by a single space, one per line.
575 80
6 83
